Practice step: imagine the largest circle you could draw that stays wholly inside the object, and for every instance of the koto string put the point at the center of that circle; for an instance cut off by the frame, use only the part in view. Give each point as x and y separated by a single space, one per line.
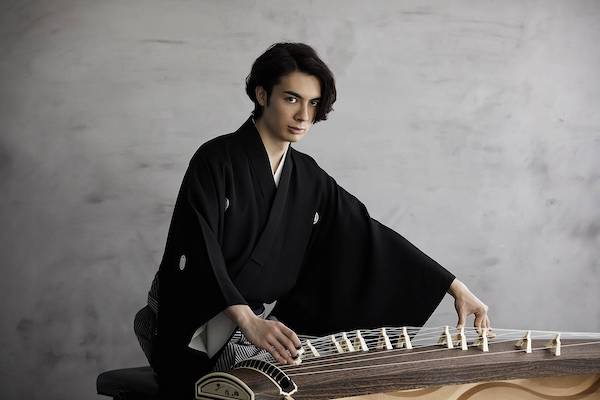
326 346
363 356
372 336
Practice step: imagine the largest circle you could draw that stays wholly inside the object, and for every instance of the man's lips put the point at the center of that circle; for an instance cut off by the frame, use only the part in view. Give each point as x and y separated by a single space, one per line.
297 130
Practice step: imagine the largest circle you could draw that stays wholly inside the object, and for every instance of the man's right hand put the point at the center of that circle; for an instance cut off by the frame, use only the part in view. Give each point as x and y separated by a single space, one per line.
273 336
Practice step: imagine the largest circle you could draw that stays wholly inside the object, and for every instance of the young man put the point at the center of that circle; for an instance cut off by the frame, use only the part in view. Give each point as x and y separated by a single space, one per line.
258 224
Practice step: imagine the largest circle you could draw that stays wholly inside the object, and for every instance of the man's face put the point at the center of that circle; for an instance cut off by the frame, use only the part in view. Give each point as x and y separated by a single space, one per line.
293 104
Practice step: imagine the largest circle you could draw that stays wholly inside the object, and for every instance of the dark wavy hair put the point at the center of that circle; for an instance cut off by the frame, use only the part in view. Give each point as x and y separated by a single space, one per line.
281 59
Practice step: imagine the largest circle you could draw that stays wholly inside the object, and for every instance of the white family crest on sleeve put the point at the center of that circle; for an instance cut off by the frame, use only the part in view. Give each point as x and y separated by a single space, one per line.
226 203
316 218
182 261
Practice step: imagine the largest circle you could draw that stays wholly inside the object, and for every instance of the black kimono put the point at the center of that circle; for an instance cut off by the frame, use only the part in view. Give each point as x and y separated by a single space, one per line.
236 238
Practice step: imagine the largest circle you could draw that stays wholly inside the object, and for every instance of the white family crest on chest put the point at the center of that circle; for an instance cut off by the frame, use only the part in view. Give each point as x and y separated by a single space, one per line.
316 218
226 203
182 262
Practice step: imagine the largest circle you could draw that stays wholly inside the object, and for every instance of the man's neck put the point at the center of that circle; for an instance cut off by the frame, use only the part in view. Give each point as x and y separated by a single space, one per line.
275 148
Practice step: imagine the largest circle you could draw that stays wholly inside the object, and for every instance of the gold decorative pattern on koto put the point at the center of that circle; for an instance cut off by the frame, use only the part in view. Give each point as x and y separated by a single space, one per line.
580 387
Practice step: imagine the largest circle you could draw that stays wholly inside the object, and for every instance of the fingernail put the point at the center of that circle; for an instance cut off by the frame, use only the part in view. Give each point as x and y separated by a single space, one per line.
296 356
298 347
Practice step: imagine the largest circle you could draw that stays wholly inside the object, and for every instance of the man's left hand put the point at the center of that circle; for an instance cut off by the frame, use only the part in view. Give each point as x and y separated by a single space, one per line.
466 303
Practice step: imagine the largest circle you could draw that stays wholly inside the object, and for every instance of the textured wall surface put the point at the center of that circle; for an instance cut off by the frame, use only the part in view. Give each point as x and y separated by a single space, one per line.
472 129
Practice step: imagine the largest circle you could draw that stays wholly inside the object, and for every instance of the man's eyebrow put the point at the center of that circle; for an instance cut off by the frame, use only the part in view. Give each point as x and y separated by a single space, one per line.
297 95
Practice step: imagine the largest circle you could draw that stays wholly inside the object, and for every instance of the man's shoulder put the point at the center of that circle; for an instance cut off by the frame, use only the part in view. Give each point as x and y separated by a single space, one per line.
307 163
216 145
219 149
215 150
304 160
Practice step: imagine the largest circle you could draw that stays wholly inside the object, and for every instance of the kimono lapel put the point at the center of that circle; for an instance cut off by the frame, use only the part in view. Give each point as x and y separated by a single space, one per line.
261 251
259 160
276 196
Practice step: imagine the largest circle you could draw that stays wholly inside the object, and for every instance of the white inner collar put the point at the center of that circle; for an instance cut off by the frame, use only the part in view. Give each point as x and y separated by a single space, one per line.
277 174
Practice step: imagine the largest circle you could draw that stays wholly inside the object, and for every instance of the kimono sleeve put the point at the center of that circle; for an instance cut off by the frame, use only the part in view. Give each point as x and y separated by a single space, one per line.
205 195
195 284
358 273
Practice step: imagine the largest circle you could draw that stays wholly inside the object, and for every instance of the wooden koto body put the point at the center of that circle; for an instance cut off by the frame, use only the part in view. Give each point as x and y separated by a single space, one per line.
385 373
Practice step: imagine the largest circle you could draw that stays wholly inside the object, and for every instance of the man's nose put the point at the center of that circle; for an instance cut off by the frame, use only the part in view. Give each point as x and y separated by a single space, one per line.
302 114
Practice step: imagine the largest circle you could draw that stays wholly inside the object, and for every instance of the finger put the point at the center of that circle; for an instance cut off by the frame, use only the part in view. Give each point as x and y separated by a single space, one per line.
462 317
276 355
482 313
277 352
478 322
289 350
275 348
292 336
483 321
491 333
294 341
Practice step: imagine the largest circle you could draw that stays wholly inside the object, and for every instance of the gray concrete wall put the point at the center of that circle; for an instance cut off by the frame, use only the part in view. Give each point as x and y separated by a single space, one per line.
471 127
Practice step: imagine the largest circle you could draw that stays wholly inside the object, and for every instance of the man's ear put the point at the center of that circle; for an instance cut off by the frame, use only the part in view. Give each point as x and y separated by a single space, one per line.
261 95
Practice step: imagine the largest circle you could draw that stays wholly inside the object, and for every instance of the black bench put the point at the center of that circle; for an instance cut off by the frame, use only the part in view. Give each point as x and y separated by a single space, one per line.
128 384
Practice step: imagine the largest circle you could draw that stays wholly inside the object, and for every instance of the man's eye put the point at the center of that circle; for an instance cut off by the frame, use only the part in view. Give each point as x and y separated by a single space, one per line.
291 99
315 103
